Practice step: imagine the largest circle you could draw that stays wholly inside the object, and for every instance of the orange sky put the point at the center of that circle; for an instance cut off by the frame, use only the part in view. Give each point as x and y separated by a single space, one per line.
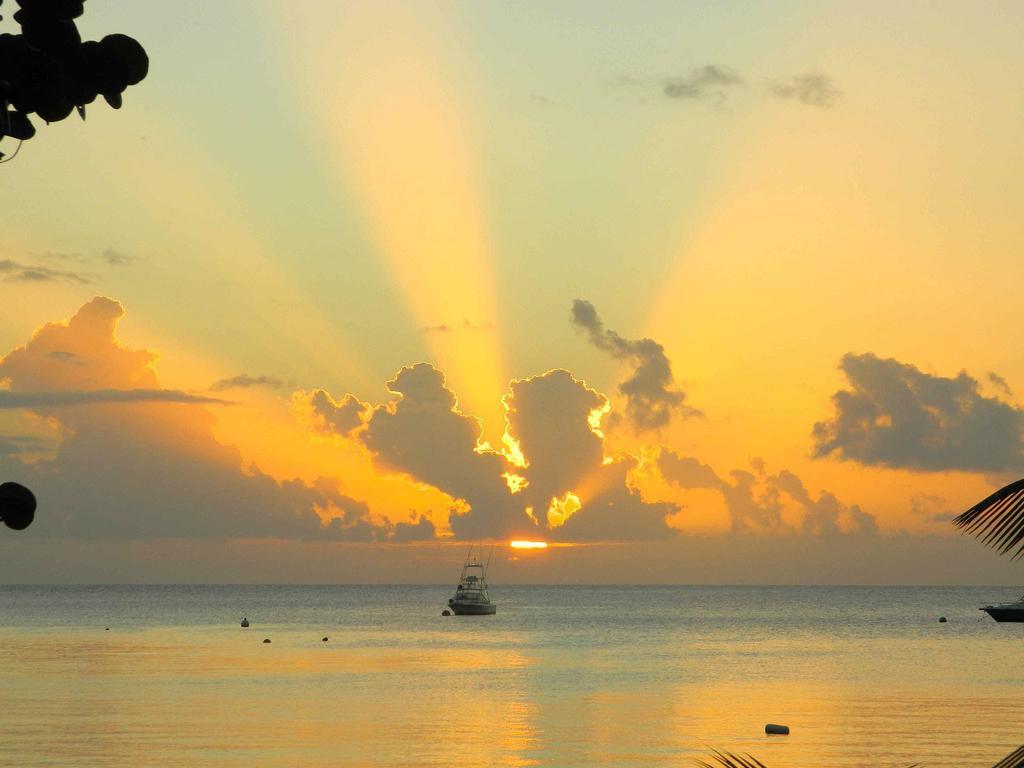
764 197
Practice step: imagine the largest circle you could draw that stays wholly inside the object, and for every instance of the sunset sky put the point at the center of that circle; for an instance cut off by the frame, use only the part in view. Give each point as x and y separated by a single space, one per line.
695 293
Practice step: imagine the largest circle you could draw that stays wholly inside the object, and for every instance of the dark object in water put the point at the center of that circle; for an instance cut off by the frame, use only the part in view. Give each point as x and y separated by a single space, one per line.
266 639
1012 612
471 598
245 622
446 612
324 640
942 619
106 629
778 730
17 506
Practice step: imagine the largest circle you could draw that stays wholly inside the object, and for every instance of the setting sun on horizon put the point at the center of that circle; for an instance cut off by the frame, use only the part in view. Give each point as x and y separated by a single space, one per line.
558 383
520 544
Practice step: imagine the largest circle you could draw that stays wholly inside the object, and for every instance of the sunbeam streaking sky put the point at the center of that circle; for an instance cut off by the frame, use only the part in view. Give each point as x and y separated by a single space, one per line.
349 251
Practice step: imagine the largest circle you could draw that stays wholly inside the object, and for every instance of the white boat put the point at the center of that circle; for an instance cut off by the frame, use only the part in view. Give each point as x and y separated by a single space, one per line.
1006 611
471 598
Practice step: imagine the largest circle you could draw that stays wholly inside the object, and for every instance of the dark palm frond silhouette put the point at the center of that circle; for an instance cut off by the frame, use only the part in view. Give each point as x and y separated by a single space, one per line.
998 520
729 760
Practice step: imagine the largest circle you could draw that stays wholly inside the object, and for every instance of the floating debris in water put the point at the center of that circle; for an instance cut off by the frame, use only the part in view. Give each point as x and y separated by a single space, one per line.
266 639
324 640
778 730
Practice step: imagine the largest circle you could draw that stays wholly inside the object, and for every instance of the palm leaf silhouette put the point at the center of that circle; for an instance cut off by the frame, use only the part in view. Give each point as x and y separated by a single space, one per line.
729 760
998 520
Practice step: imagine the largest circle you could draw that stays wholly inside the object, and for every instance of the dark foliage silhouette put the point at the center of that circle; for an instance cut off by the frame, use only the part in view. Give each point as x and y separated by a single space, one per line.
998 520
49 71
729 760
17 506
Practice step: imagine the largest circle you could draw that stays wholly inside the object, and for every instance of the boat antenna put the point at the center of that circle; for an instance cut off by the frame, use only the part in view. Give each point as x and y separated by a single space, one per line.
486 567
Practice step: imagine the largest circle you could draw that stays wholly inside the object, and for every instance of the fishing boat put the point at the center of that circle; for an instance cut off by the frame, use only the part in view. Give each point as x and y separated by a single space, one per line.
1006 611
471 598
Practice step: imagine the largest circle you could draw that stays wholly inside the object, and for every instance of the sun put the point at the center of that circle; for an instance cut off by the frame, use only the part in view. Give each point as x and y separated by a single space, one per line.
521 544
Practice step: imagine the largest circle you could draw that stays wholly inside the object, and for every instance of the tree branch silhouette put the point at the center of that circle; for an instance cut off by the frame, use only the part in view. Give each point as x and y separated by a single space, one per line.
48 71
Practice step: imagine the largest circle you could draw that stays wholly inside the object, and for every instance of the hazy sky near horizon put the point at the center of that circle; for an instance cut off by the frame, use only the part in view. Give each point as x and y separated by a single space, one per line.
702 278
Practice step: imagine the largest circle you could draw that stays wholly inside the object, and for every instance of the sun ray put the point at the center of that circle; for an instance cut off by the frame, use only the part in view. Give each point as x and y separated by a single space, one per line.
402 142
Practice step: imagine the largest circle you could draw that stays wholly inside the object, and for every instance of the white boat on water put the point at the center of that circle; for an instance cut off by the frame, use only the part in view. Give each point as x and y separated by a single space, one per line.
471 598
1006 611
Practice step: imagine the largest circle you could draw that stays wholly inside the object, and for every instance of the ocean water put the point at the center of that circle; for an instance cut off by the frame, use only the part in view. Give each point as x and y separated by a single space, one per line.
562 676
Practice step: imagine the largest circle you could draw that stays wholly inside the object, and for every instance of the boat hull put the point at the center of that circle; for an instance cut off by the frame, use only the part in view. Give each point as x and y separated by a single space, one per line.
473 609
1002 613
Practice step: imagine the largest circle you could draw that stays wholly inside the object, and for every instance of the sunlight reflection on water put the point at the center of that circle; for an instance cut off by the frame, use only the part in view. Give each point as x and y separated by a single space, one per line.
567 676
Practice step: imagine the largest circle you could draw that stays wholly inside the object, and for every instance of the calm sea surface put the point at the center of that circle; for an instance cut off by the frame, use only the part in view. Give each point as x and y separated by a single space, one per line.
561 676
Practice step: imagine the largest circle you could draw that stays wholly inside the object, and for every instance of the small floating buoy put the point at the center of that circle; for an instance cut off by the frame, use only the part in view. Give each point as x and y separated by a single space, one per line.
942 619
266 640
245 622
106 629
779 730
446 612
324 640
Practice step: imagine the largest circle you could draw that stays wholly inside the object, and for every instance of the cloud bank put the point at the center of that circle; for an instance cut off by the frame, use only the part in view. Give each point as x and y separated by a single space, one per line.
895 415
652 396
57 398
554 480
755 502
136 467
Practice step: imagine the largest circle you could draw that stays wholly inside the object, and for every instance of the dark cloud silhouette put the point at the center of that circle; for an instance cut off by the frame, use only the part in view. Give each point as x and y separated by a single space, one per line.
66 397
652 397
15 271
245 381
551 421
999 383
421 530
708 82
424 433
615 511
814 90
465 325
116 258
932 508
896 415
340 418
145 467
552 418
108 256
549 417
15 444
60 354
756 501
